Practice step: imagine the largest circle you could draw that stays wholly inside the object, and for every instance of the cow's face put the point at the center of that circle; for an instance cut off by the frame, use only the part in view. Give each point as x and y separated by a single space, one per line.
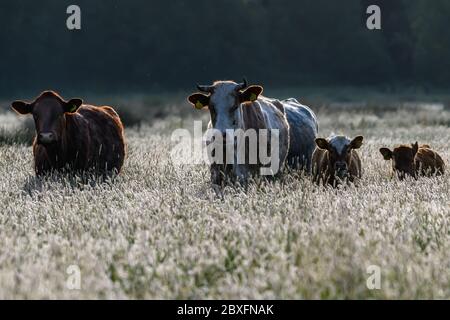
223 99
402 159
339 153
49 115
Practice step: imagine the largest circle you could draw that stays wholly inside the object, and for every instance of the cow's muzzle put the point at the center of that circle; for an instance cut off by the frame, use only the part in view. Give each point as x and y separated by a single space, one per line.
46 138
341 169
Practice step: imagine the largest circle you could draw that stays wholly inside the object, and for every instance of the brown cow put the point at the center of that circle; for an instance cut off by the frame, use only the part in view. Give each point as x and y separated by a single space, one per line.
335 159
413 160
71 135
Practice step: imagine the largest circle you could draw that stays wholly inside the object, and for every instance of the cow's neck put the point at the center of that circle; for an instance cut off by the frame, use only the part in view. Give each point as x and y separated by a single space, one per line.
54 155
68 134
57 153
240 117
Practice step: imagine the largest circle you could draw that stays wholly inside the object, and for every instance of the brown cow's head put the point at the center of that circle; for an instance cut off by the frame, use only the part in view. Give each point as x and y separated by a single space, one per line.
223 99
339 153
48 111
402 159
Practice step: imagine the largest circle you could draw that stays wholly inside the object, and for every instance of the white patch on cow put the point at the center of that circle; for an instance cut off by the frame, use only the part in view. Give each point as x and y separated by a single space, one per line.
339 143
223 101
229 122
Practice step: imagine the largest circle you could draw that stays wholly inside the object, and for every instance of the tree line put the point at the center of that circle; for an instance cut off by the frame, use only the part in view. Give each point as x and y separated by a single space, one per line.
170 45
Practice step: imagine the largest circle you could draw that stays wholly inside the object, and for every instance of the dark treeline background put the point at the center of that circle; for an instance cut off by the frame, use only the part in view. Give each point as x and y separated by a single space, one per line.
164 45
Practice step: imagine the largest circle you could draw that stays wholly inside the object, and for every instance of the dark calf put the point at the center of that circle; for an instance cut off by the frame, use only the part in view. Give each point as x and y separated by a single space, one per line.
73 136
335 159
412 160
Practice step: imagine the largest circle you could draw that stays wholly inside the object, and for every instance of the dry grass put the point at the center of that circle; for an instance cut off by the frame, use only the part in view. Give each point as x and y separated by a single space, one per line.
158 231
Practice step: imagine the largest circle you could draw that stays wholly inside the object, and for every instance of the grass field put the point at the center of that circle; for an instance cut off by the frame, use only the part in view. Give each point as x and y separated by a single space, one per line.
159 231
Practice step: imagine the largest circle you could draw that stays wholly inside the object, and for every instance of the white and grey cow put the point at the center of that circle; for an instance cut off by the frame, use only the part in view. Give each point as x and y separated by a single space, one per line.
235 107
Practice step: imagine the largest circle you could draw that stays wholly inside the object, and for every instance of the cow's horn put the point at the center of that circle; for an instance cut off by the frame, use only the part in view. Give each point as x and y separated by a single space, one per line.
205 88
243 85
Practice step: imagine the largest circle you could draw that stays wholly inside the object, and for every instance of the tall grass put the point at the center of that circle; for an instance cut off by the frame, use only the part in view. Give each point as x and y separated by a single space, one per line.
159 231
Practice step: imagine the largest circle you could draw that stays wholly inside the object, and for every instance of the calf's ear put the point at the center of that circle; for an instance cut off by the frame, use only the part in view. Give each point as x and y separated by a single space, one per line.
199 100
322 143
415 147
21 107
251 94
73 105
387 153
357 142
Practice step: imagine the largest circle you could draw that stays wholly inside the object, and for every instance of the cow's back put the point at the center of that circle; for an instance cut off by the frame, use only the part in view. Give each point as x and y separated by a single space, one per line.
268 114
303 132
105 141
429 161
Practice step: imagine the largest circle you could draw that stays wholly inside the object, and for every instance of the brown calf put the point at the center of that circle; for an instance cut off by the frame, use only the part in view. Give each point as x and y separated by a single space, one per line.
70 135
413 160
335 159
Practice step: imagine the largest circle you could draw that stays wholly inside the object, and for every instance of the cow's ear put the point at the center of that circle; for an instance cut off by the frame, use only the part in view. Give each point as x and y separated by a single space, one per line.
22 107
199 100
415 147
357 142
251 94
387 153
322 143
72 105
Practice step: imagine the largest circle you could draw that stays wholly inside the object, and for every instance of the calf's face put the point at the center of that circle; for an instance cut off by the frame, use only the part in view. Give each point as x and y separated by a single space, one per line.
402 159
49 115
223 99
339 153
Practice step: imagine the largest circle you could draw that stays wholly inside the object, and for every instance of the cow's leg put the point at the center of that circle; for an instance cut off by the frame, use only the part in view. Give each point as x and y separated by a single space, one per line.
241 173
216 174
